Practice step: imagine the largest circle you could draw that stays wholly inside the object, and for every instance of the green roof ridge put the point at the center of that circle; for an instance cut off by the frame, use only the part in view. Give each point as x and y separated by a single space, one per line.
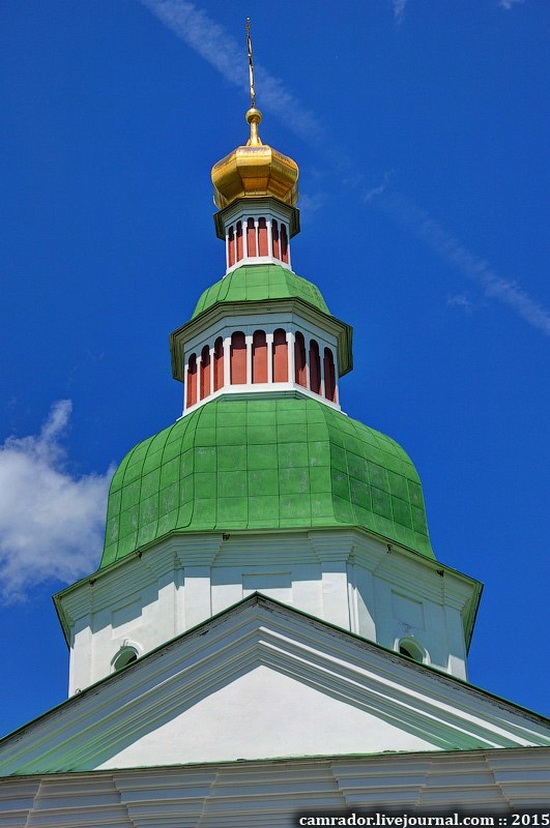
264 464
256 283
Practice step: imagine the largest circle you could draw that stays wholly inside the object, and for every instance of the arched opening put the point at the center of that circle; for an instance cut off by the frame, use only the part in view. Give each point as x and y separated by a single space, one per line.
205 372
231 247
238 358
251 237
300 372
262 238
275 239
126 656
330 375
191 396
412 649
218 364
259 357
284 244
314 367
280 356
239 241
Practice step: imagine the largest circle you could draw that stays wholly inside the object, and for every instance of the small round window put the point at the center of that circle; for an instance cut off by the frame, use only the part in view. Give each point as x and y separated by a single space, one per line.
412 649
125 657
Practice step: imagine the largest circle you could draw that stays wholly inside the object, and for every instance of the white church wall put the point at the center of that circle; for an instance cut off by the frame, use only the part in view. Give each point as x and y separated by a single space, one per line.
343 577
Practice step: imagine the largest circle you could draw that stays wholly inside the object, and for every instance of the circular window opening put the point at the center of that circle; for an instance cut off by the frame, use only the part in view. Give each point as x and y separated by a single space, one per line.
412 650
124 658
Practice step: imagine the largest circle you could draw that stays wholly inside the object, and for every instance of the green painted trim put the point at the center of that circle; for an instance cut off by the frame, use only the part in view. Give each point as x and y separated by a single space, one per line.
286 760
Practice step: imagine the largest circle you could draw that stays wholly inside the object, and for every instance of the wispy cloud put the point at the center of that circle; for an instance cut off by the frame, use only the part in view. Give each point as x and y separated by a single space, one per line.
399 10
51 522
469 264
220 50
372 192
311 204
461 301
507 4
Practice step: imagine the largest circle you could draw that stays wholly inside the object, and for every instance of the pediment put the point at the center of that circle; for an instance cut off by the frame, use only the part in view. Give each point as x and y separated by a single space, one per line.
263 681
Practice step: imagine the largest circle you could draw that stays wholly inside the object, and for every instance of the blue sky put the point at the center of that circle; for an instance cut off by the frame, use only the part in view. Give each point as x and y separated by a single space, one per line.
421 129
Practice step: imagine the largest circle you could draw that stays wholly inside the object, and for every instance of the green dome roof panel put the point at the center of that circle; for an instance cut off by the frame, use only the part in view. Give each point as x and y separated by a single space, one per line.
256 283
259 464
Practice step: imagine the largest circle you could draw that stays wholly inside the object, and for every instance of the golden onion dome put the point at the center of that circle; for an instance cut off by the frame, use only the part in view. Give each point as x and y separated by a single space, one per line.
255 170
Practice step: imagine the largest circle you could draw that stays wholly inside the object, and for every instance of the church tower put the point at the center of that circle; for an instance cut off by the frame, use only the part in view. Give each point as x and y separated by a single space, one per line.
269 631
264 484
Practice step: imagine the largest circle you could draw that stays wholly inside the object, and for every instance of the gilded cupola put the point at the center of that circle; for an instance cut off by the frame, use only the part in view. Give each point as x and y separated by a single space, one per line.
255 170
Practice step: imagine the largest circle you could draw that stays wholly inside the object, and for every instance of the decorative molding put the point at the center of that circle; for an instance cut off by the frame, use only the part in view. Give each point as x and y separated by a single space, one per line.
349 674
255 793
341 575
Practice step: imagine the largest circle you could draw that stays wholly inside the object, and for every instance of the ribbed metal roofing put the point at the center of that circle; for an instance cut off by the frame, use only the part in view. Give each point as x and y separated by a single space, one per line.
264 464
260 282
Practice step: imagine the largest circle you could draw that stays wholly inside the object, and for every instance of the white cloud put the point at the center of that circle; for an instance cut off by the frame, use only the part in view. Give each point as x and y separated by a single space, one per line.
222 51
51 522
453 251
399 10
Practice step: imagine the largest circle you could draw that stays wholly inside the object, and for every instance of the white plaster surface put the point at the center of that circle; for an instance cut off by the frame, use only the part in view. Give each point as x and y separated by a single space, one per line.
344 577
265 713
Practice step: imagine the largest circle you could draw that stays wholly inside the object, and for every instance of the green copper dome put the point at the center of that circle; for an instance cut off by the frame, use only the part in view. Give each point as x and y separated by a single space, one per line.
255 464
260 282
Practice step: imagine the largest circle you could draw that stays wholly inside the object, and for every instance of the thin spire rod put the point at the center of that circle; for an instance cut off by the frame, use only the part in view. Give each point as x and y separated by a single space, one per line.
250 65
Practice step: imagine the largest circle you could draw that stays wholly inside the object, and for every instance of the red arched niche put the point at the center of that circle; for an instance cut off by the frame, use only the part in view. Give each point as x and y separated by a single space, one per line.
284 244
218 364
262 237
330 375
191 395
300 373
239 240
205 372
314 367
238 358
280 356
251 238
231 247
275 239
259 357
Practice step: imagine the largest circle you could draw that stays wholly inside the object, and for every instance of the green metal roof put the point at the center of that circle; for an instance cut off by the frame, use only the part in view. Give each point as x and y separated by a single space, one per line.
255 464
259 282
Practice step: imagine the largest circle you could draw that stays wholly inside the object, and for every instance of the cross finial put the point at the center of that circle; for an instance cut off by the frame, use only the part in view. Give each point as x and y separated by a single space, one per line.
250 65
253 116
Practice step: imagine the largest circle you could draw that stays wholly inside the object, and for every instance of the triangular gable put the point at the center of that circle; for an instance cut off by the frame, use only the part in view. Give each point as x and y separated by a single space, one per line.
260 681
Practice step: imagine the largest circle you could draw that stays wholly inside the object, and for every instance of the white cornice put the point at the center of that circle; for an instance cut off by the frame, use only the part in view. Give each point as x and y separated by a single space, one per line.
255 793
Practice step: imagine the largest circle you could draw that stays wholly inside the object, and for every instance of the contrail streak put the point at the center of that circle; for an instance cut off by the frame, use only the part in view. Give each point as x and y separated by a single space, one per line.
399 10
453 251
220 50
